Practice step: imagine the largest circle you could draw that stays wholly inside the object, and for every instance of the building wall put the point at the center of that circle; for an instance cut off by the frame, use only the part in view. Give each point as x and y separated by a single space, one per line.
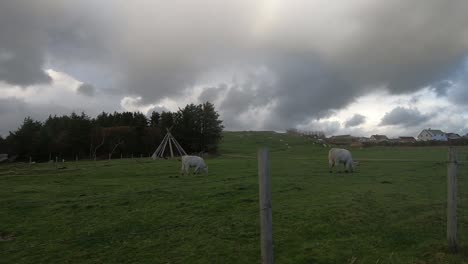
439 138
424 136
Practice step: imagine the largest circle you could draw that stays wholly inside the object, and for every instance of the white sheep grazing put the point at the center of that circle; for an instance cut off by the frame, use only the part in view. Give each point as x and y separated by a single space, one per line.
193 161
337 156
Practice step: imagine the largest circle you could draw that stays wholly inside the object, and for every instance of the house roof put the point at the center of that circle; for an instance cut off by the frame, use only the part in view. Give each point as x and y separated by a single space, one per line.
452 134
434 132
406 137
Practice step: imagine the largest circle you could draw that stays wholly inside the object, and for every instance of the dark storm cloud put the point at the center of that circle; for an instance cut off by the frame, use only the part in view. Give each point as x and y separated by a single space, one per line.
242 96
86 89
356 120
22 45
158 49
39 34
304 89
403 116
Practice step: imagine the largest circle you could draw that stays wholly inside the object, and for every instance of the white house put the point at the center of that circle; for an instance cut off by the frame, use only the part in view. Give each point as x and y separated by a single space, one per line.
432 134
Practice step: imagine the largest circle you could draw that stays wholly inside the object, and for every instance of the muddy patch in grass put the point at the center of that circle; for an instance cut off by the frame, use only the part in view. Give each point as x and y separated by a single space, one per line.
6 236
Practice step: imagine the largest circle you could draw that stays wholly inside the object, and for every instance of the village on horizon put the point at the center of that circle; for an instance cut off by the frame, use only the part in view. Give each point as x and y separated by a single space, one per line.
425 136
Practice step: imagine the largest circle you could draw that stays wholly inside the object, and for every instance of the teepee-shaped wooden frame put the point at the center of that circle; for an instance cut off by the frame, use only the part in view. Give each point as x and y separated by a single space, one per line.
168 139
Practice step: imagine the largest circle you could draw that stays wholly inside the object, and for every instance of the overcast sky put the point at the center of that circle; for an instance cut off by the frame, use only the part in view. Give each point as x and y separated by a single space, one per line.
361 67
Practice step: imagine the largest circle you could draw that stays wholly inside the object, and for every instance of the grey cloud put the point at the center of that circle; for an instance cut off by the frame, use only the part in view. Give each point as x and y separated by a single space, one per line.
442 87
356 120
13 111
22 47
86 89
35 35
157 109
249 93
328 127
458 92
211 94
158 49
404 116
305 88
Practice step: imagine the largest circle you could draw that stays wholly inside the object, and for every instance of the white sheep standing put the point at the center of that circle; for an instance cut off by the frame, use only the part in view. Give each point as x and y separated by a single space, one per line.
193 161
337 156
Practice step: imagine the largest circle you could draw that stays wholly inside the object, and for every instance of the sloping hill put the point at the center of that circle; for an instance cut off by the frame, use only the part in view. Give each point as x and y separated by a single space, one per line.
248 142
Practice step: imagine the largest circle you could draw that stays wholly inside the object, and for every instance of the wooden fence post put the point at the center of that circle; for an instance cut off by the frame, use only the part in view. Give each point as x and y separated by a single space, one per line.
452 168
266 233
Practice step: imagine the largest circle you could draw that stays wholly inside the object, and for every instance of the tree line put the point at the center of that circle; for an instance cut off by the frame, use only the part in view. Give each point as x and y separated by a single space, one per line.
196 127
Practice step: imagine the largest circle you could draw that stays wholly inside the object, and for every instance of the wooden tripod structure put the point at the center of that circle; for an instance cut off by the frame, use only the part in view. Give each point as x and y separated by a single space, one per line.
168 140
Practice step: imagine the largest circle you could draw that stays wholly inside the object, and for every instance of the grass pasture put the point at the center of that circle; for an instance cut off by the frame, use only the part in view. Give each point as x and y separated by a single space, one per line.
141 211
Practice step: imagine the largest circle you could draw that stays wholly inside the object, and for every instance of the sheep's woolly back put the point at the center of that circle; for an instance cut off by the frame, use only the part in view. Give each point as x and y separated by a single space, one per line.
341 156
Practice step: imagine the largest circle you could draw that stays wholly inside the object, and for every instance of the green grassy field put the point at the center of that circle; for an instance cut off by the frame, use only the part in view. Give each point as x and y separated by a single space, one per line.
141 211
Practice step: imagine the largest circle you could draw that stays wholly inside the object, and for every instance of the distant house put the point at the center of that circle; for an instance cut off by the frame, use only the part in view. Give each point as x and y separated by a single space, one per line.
363 139
379 138
453 136
432 134
406 139
341 139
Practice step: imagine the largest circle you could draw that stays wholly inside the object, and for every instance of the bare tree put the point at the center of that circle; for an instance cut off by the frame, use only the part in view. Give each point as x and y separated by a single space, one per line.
97 147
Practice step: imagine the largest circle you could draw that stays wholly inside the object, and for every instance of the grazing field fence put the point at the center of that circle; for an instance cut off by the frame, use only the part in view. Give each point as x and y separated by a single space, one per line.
266 234
453 197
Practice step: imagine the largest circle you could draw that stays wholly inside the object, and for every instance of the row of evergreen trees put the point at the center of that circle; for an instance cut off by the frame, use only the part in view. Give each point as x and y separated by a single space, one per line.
196 127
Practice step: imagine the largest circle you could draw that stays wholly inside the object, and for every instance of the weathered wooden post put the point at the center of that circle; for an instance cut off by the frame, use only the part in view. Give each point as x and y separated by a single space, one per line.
170 148
266 230
452 168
